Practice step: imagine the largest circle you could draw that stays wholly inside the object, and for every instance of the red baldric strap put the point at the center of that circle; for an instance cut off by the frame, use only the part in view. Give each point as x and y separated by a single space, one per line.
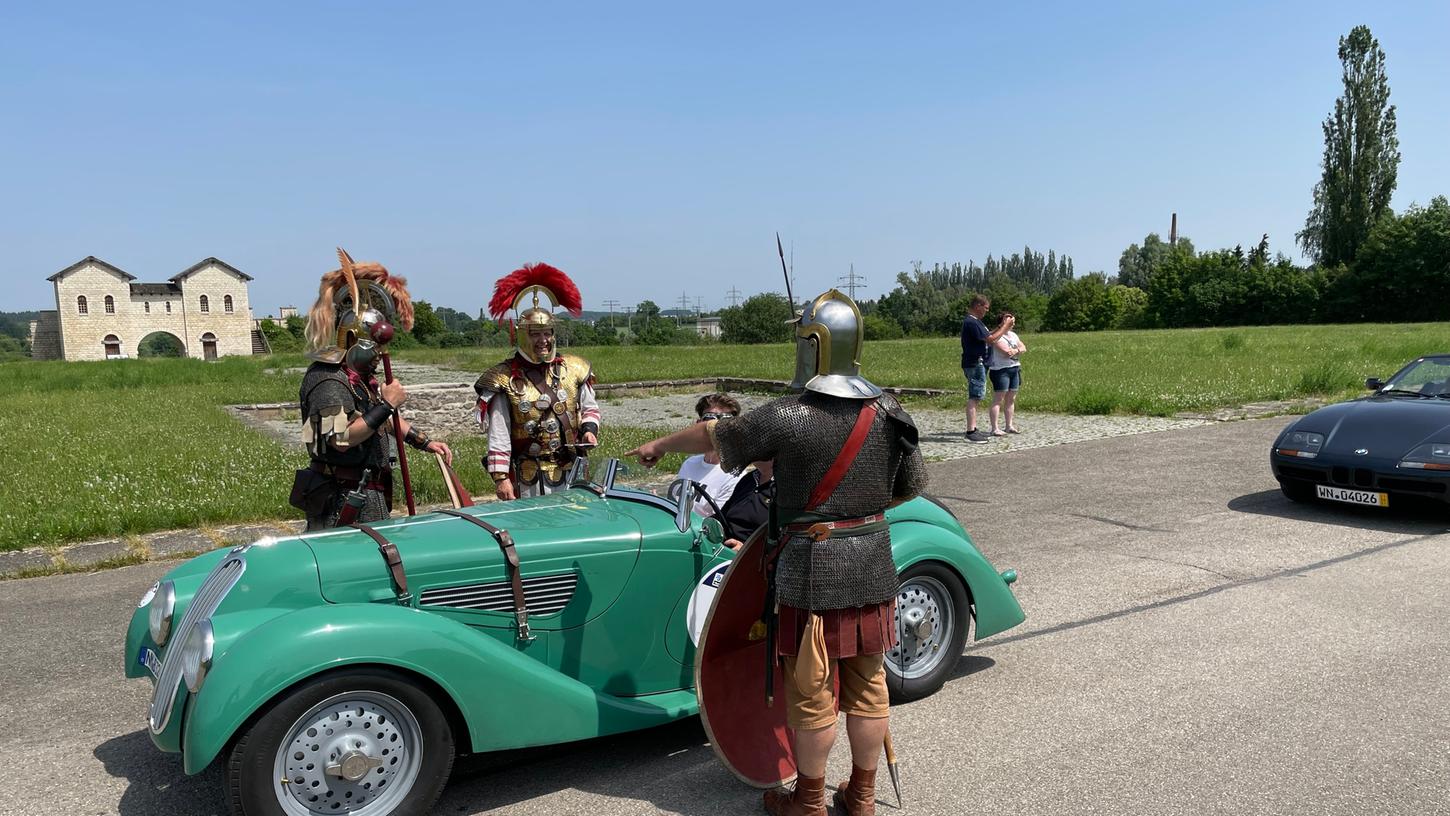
833 477
511 561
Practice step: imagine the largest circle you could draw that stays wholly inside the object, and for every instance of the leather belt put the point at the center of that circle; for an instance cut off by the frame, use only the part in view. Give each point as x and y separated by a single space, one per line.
393 559
822 530
511 561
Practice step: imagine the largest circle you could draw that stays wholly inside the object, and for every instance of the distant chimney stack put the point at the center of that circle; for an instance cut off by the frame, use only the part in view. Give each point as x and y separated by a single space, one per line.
1173 231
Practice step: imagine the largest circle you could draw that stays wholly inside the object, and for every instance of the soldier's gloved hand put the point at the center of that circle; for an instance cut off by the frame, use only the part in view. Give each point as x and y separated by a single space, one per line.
504 489
394 393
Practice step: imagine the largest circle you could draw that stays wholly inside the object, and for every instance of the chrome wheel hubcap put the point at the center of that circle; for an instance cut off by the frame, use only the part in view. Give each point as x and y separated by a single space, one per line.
358 752
925 620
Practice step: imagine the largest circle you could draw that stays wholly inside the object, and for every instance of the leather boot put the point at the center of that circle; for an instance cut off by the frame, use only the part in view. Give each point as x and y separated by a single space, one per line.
857 796
808 798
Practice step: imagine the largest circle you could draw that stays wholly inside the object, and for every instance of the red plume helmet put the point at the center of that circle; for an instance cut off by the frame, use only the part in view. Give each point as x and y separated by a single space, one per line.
511 287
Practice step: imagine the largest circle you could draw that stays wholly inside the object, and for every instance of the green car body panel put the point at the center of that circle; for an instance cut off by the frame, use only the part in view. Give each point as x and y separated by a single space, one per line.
615 655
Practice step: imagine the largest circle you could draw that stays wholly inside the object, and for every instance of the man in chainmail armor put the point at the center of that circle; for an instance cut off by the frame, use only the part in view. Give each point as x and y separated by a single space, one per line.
835 579
347 415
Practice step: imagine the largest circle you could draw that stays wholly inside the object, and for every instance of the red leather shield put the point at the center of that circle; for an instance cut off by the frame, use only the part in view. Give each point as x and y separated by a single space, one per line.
749 737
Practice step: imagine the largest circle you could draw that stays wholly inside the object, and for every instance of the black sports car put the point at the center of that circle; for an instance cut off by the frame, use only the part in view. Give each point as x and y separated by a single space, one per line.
1392 443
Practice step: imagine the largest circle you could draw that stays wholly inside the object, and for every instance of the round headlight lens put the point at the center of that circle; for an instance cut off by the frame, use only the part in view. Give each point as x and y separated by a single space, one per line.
163 607
196 656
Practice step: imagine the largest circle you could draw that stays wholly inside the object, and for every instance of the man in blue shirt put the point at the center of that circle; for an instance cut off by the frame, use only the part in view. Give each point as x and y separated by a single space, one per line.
976 345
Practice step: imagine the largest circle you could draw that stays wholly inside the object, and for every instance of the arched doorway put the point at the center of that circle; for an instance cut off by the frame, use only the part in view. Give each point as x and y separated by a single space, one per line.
208 346
161 344
113 347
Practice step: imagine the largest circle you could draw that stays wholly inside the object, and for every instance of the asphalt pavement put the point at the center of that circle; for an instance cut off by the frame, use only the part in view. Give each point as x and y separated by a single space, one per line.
1195 644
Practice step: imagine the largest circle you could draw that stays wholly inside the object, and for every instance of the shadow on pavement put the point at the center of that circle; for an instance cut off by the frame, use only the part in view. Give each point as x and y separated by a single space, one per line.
1412 517
156 781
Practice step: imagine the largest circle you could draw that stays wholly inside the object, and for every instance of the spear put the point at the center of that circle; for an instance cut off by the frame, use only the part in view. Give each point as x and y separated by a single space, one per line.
789 297
891 768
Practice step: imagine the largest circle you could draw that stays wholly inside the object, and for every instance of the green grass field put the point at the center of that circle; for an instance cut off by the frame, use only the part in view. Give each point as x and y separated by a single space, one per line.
112 448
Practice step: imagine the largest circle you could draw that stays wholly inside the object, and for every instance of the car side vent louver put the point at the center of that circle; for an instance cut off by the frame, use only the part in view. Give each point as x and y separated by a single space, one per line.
544 594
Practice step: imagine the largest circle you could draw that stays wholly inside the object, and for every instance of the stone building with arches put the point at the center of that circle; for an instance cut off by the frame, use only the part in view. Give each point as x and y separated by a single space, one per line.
102 312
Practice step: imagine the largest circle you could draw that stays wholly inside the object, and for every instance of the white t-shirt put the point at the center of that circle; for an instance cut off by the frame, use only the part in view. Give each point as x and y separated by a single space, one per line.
719 484
999 360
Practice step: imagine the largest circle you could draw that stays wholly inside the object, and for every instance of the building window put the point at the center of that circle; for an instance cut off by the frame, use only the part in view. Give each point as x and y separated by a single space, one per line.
110 305
148 307
168 307
81 305
227 303
204 305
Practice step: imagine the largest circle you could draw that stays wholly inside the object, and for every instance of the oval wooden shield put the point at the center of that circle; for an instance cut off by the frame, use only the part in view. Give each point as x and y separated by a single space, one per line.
749 737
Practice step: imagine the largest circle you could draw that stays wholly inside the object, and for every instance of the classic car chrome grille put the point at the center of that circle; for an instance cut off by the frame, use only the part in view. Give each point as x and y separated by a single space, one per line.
544 594
223 577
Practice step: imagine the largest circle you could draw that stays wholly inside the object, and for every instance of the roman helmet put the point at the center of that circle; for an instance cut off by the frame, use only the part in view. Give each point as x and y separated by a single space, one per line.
535 283
828 338
359 307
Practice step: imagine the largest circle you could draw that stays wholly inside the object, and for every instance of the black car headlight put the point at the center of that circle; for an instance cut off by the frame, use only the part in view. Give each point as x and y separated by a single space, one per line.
163 607
1430 456
1301 444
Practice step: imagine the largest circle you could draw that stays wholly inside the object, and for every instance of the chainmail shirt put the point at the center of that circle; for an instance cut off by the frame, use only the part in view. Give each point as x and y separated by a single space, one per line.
803 434
329 401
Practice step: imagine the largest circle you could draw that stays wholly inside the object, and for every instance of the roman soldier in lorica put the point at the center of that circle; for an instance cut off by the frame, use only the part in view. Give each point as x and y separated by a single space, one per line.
835 581
538 406
347 415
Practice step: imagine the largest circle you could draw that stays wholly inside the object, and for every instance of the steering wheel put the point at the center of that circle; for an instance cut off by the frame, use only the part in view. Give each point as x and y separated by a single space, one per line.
715 508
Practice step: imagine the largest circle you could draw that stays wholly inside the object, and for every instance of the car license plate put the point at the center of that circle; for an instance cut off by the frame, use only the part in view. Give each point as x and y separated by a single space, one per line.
1366 497
149 659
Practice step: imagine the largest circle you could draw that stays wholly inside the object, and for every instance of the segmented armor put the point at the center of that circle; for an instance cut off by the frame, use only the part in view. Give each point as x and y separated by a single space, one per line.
804 433
532 414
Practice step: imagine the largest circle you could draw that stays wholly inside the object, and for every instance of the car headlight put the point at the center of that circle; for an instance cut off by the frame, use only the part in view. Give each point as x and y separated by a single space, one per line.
1302 444
196 655
1431 456
163 607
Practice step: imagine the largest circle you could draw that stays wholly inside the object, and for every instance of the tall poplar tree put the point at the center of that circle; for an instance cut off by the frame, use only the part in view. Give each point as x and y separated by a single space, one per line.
1361 156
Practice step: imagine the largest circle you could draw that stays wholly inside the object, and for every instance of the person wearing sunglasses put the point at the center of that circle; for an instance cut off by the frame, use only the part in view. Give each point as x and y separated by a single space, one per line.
705 467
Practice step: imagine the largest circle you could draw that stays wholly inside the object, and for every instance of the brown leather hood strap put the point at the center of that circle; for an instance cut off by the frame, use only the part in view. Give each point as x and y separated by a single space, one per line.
393 559
511 560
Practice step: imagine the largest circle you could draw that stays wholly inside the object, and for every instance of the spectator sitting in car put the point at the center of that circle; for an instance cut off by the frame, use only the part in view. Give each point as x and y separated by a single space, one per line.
705 467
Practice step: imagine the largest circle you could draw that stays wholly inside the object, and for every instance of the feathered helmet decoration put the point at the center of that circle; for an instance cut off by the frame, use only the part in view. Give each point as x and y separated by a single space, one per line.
533 280
354 304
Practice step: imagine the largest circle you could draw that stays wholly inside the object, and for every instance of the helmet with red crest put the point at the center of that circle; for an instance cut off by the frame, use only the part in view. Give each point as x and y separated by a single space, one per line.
524 292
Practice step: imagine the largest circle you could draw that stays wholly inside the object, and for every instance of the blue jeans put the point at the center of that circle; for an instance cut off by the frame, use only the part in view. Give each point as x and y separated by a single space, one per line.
976 380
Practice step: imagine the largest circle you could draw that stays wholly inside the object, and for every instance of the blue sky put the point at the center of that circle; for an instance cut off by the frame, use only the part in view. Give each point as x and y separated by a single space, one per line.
654 150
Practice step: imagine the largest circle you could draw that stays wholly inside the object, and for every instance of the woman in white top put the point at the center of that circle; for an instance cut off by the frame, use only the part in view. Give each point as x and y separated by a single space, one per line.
705 468
1005 370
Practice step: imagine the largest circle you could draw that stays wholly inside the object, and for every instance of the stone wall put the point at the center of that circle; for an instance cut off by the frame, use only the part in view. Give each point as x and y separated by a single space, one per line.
45 337
82 335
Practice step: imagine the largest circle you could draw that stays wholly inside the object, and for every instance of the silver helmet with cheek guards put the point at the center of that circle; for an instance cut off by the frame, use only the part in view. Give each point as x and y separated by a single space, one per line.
829 334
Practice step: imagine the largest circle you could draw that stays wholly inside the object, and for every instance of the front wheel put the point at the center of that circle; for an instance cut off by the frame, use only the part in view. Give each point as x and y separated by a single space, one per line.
932 615
363 741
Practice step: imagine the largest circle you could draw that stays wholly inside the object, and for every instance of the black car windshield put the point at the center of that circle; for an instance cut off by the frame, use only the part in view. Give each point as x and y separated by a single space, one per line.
1427 377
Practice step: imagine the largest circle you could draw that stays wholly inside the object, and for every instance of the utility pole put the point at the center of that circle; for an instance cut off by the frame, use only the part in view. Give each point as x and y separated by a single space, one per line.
733 296
852 281
612 305
684 308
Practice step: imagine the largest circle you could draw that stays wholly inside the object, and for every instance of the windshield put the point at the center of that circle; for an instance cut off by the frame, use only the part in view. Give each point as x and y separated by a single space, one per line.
1424 377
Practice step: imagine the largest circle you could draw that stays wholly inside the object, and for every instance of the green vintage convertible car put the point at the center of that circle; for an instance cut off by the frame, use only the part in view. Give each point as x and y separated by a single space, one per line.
326 687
